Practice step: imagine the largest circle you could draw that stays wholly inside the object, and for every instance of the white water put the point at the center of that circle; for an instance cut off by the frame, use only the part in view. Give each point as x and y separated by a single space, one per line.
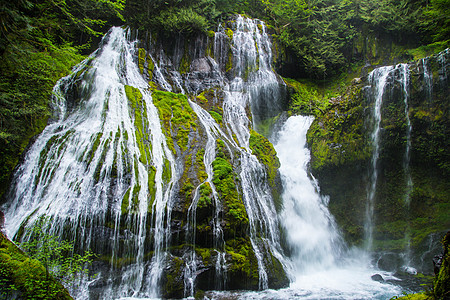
311 231
241 93
378 79
321 266
404 80
427 78
66 178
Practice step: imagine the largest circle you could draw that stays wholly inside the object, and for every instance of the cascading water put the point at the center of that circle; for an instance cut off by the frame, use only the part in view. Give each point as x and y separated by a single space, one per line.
88 169
261 84
378 79
428 79
311 231
404 80
120 177
321 265
382 81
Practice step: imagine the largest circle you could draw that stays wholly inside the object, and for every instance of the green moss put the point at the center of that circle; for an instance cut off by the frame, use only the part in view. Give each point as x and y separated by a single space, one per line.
201 174
205 196
167 171
217 117
151 186
95 145
260 27
229 64
205 253
266 154
28 277
141 59
141 124
308 98
229 33
428 50
339 136
177 117
442 280
224 180
125 201
243 259
135 198
187 189
173 284
211 34
185 64
201 99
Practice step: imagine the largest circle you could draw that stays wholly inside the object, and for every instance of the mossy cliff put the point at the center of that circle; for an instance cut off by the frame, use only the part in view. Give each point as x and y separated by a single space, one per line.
442 279
24 278
341 144
184 65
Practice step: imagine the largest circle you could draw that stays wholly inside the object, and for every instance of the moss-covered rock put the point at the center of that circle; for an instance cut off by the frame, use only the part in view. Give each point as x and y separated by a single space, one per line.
177 117
172 280
266 154
341 150
442 280
25 278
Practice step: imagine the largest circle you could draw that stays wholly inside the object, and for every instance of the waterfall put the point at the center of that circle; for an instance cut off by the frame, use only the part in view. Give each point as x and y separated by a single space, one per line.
428 79
108 173
382 82
213 132
310 228
90 172
404 80
250 65
378 79
321 265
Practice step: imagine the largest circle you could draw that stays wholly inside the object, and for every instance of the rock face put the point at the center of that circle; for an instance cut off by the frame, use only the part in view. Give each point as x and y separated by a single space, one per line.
442 279
411 163
165 178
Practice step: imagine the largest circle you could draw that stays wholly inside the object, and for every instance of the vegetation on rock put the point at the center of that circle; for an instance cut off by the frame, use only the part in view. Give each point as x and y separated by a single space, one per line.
37 272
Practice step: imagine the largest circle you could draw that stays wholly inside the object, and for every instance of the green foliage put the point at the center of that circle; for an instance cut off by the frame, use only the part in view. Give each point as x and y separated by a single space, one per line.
314 31
306 98
58 257
437 22
182 20
175 16
36 50
34 274
26 82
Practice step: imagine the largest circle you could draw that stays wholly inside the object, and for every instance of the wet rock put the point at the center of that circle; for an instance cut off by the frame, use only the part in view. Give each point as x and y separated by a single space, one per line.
377 277
437 263
389 262
201 65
